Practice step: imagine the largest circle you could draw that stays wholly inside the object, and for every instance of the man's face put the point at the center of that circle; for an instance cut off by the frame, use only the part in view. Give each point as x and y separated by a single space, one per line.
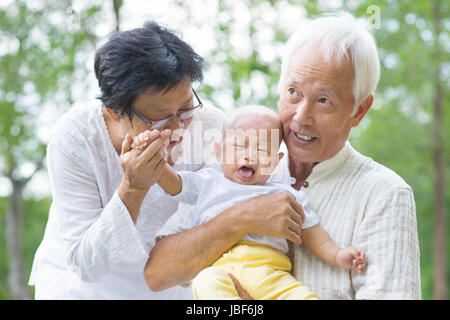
316 101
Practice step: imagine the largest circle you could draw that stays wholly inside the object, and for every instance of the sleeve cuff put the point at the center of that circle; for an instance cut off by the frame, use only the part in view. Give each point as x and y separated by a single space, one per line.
311 218
181 220
126 240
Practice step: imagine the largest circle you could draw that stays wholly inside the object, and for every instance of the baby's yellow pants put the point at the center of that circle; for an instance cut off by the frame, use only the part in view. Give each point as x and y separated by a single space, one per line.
261 270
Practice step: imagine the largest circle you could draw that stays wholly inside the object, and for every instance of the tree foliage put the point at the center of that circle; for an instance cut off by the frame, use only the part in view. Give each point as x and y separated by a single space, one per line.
38 59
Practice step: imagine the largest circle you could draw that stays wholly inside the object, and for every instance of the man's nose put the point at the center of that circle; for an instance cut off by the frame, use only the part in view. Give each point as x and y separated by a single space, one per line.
304 113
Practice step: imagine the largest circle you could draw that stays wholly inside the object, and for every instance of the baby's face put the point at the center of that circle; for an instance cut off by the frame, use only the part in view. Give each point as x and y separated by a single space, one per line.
249 153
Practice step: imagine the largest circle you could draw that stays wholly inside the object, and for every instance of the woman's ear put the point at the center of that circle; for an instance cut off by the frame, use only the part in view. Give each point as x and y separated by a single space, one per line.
112 114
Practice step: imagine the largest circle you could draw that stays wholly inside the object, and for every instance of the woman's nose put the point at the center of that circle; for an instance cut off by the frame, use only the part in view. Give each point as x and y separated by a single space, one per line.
174 123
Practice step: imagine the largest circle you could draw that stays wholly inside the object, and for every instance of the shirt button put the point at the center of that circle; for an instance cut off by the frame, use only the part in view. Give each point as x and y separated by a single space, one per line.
306 184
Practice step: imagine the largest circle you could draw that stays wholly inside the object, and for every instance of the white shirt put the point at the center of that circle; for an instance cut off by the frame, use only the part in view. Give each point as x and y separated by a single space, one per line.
91 247
212 193
362 203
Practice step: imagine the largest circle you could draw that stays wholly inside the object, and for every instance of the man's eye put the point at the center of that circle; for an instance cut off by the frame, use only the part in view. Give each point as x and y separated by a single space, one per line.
292 92
324 100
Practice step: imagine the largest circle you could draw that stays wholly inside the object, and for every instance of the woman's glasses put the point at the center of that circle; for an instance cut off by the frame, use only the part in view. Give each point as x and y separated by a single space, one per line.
182 115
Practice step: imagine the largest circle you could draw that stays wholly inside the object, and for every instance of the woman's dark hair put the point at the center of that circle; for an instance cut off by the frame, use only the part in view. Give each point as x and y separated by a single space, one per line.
132 61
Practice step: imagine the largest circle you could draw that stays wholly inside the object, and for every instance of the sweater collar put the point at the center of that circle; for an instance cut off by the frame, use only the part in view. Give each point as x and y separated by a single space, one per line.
333 164
326 167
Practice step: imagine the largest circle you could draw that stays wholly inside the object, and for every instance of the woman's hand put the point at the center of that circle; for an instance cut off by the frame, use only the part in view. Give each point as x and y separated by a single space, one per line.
275 215
143 166
141 169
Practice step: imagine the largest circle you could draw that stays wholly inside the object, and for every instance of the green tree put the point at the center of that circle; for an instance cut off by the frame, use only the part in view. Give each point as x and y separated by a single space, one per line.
40 41
404 130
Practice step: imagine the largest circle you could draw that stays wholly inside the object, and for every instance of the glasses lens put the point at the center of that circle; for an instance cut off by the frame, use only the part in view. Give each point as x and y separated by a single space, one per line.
160 123
187 114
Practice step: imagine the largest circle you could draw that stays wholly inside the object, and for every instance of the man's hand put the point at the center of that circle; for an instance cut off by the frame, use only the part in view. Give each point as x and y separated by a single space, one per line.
351 258
240 290
275 215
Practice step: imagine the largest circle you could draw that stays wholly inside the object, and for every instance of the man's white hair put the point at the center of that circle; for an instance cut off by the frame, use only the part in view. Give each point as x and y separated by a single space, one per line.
340 36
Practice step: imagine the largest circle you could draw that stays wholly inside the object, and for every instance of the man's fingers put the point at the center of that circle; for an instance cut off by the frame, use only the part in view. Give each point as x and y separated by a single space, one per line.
296 215
297 208
295 227
294 237
240 290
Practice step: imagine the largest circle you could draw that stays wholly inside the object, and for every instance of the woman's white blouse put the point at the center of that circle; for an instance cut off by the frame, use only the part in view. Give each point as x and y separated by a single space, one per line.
91 247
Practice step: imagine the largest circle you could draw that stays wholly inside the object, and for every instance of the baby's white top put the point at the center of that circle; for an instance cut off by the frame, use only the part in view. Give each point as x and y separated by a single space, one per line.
212 193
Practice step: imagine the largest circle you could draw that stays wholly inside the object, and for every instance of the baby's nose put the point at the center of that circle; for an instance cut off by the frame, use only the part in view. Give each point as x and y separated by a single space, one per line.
250 156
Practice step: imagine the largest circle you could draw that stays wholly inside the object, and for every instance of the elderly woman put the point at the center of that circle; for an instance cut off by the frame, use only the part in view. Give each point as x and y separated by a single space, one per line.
329 74
105 207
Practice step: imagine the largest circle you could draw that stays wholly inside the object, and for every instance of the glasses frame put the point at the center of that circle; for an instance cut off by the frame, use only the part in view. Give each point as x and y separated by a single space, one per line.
149 124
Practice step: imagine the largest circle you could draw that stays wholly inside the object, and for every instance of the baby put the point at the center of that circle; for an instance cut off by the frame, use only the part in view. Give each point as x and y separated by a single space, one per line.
249 155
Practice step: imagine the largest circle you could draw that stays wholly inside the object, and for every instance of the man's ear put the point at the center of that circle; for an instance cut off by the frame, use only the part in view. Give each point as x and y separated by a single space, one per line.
218 150
362 110
280 156
112 114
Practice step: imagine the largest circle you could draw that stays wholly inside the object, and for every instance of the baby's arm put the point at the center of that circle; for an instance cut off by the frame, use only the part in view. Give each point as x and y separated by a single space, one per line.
323 247
169 180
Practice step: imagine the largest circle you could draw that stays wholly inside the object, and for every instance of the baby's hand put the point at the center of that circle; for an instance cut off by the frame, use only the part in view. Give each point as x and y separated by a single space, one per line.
351 258
141 141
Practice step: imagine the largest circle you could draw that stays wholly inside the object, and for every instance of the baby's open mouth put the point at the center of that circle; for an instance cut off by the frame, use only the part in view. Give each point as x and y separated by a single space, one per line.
245 173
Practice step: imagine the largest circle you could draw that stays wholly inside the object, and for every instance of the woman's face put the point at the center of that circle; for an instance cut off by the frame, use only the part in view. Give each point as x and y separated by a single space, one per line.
153 106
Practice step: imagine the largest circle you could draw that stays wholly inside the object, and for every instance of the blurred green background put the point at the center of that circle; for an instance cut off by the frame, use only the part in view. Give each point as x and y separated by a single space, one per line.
46 66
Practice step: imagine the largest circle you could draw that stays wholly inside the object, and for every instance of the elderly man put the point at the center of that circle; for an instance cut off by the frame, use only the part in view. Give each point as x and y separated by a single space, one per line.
328 77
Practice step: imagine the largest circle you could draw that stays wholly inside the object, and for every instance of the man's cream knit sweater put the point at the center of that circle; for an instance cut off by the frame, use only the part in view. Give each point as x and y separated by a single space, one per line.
362 203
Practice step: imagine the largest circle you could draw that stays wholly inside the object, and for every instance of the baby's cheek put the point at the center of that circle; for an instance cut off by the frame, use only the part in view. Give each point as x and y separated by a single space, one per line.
262 179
